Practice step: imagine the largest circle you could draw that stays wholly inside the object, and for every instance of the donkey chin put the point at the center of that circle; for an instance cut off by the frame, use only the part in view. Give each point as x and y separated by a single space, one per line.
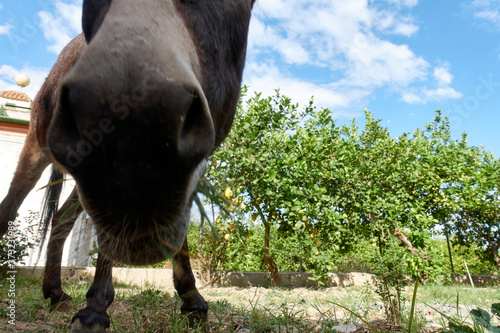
149 235
144 248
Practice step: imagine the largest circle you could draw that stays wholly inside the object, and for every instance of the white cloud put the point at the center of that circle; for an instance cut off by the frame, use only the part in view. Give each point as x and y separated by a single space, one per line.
442 91
490 15
380 63
407 3
425 95
487 10
265 37
405 29
62 25
346 45
442 75
37 77
5 29
265 78
393 23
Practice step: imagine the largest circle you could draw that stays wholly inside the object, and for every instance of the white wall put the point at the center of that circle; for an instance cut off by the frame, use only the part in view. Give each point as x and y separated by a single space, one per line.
11 145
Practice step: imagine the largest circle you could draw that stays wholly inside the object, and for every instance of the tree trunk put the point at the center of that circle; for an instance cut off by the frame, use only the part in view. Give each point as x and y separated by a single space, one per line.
268 261
271 265
449 253
496 257
201 233
408 245
405 242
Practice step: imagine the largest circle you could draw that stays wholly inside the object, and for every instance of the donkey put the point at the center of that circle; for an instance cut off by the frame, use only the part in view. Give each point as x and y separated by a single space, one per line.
32 162
136 117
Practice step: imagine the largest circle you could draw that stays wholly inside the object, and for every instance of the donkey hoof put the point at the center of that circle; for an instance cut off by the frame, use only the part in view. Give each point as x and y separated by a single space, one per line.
196 309
78 327
62 304
196 319
88 321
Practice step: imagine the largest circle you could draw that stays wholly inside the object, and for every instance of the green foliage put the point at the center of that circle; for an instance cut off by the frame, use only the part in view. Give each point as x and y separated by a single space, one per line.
150 297
327 187
243 252
16 245
213 248
476 202
471 254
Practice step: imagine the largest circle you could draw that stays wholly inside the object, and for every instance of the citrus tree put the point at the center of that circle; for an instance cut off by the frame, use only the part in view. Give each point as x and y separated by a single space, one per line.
304 177
476 201
277 159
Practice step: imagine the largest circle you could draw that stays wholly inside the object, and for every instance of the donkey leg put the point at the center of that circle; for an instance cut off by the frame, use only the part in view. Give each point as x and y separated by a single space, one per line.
192 303
60 230
100 295
29 169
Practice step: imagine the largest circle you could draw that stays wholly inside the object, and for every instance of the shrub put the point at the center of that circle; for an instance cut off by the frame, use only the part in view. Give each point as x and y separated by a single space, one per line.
16 245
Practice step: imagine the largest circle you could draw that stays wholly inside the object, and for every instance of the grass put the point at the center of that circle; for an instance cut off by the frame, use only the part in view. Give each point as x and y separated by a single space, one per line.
254 309
468 295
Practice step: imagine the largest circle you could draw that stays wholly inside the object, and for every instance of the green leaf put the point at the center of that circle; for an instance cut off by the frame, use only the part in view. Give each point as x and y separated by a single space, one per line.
69 211
481 317
461 329
495 309
272 175
52 183
494 329
314 278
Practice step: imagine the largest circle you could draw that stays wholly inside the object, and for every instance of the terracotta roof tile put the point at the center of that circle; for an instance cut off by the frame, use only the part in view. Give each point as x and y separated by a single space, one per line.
15 95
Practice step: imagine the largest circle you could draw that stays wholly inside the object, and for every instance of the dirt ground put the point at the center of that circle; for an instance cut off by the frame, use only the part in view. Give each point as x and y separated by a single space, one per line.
315 304
312 306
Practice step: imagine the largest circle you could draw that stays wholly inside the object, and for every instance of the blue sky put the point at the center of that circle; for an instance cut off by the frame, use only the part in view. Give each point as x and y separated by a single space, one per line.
401 59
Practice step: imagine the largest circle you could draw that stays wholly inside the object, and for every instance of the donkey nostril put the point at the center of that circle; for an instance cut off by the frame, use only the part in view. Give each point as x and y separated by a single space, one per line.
63 131
197 134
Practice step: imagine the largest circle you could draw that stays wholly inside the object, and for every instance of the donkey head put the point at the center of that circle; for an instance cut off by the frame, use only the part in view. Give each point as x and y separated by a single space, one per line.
151 97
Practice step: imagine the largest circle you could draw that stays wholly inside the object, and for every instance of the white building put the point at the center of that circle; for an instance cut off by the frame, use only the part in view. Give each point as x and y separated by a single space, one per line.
15 109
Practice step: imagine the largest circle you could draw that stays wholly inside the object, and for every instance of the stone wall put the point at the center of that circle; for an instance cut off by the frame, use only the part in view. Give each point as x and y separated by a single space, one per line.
162 278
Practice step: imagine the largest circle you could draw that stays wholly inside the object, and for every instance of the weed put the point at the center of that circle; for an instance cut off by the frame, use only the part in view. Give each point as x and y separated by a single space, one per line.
390 283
